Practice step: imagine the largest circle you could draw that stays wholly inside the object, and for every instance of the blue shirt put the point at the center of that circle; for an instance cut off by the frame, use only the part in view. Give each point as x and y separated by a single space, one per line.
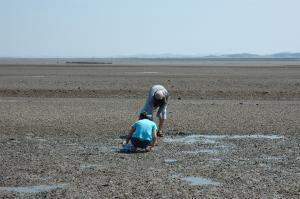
143 129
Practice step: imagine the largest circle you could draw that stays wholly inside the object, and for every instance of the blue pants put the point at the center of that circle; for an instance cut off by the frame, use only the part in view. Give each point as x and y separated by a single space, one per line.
140 143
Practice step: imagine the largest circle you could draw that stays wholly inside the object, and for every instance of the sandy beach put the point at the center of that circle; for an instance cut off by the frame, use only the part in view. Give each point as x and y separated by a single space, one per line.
233 129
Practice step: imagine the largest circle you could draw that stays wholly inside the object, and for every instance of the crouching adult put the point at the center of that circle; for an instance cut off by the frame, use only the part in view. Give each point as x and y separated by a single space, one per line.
143 133
158 97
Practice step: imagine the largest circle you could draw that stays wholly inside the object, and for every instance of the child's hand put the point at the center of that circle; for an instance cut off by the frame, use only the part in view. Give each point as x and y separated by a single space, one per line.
149 148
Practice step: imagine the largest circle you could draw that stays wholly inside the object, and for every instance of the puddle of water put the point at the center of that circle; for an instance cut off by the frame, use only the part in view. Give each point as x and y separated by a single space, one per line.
212 139
257 136
175 175
33 189
36 76
210 151
200 181
17 141
170 161
275 158
11 100
115 149
216 159
191 139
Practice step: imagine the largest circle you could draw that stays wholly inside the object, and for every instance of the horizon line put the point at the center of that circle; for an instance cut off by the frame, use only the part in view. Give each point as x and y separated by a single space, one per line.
153 56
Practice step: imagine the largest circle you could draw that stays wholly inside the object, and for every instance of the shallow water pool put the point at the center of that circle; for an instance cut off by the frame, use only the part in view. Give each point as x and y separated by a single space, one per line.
215 139
192 180
32 189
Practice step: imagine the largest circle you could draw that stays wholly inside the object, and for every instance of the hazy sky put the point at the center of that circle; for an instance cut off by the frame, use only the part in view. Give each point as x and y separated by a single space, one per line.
100 28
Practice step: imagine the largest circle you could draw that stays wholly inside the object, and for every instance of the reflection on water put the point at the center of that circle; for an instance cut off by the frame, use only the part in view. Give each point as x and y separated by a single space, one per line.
200 181
33 189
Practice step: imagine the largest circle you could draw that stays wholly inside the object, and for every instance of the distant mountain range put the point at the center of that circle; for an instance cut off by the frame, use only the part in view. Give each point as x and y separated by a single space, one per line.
248 55
283 55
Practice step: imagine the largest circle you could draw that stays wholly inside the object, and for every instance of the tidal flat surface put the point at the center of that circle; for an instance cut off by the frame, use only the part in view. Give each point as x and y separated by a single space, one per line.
234 123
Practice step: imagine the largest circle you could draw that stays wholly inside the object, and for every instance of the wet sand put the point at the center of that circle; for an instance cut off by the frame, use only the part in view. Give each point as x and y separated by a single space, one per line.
232 130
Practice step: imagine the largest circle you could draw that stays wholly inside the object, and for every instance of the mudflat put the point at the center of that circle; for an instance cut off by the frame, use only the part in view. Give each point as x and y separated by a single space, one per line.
232 129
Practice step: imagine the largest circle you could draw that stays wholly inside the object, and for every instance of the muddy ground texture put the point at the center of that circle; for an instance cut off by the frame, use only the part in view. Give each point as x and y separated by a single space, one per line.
232 130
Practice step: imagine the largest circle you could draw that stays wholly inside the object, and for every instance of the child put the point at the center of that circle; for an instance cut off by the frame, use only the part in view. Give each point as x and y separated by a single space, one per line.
143 133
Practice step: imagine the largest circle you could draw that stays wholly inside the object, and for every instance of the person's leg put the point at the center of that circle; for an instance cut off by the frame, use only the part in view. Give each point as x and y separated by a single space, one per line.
148 108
